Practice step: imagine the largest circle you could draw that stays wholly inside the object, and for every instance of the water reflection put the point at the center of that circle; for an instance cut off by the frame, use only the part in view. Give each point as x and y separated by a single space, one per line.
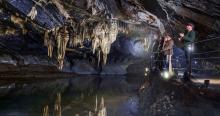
78 96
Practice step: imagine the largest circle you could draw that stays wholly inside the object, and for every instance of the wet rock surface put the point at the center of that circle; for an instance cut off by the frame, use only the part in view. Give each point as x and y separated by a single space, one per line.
169 98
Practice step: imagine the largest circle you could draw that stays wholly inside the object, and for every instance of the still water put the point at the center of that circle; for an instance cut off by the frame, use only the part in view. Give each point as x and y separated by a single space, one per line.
79 96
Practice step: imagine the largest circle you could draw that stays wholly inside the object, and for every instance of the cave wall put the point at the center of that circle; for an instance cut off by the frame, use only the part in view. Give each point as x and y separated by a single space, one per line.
204 14
22 34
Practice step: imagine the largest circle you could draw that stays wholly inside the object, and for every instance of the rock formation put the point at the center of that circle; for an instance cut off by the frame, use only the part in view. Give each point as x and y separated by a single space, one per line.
84 30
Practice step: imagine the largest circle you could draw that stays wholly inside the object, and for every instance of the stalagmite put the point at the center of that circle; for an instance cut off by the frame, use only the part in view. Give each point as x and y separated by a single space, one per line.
33 13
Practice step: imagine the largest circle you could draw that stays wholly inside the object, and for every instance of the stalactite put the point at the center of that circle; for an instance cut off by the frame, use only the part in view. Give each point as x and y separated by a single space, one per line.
76 37
57 107
102 111
46 37
96 104
84 28
19 21
95 37
95 43
105 47
78 41
50 44
62 40
113 31
104 42
59 55
49 41
105 57
71 42
104 34
146 44
33 13
99 57
71 34
123 27
46 111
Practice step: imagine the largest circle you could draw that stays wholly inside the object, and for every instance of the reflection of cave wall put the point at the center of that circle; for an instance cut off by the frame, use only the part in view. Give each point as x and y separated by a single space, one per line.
71 86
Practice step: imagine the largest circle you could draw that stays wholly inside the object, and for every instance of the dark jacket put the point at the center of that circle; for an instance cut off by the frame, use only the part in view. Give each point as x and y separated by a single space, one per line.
189 38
